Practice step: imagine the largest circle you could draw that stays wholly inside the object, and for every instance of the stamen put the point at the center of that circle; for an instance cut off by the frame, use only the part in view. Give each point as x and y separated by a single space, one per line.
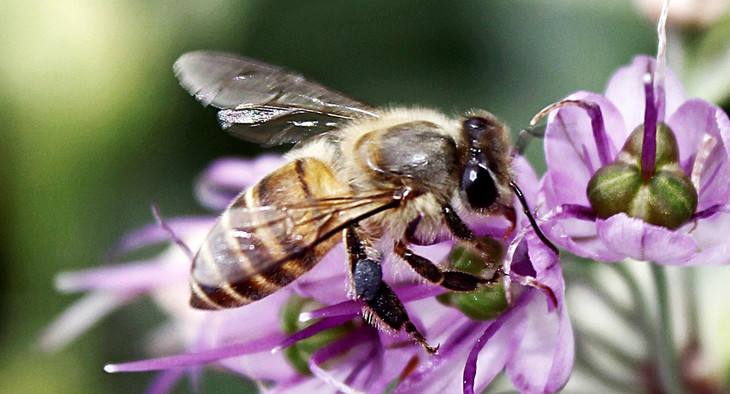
312 330
661 61
706 213
597 125
577 211
332 350
648 149
198 358
165 381
470 369
177 240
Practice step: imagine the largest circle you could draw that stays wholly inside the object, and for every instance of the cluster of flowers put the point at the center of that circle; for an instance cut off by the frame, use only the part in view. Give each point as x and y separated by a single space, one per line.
639 173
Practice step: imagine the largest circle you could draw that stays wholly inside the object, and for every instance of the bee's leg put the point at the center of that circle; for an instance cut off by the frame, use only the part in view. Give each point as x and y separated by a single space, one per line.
524 137
461 231
452 280
382 304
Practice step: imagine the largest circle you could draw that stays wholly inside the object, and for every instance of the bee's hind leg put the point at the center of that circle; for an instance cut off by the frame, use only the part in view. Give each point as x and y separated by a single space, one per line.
382 306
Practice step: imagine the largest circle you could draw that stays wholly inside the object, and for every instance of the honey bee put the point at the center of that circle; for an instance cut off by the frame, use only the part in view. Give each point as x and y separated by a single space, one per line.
357 174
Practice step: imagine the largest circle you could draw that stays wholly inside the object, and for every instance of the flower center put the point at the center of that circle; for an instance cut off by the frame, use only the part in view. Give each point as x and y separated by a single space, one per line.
662 194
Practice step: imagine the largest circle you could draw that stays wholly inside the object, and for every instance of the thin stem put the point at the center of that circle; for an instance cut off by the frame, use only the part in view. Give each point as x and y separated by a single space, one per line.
639 299
608 378
669 372
692 312
607 347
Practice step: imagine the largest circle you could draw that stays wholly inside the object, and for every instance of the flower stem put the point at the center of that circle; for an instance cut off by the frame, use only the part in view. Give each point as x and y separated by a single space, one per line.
643 319
669 373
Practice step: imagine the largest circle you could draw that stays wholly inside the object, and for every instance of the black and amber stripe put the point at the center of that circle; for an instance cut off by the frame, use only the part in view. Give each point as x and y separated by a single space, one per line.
251 252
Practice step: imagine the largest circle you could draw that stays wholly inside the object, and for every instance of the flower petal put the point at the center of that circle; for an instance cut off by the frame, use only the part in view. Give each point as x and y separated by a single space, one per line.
165 381
570 150
486 360
639 240
543 359
191 229
197 358
579 237
226 178
626 90
78 318
526 177
442 373
137 276
694 120
711 237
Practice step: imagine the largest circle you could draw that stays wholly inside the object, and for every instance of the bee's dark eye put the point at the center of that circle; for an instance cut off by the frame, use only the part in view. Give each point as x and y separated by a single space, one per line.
475 126
478 185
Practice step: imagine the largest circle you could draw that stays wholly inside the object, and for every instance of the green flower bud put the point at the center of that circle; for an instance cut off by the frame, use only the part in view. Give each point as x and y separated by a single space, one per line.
485 303
668 198
299 353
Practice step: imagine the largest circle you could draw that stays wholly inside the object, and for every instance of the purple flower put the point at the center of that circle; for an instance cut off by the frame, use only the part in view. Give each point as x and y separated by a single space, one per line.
583 142
531 340
270 342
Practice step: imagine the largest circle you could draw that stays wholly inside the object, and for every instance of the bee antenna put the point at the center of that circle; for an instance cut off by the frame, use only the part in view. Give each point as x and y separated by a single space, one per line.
530 217
170 232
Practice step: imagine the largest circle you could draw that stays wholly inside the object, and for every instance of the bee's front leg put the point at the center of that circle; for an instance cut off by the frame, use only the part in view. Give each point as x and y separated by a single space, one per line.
382 306
452 280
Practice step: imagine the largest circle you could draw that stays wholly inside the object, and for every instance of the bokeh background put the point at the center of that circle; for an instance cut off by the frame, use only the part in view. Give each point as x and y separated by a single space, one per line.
94 127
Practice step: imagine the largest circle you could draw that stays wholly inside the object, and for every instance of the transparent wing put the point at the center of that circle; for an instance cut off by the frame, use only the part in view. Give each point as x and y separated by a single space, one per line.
264 103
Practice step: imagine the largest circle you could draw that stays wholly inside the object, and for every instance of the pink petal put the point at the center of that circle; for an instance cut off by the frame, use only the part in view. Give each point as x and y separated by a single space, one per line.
442 373
639 240
711 237
165 381
626 90
543 359
262 366
314 329
79 317
187 228
227 177
570 149
198 358
579 237
493 349
136 276
526 178
358 346
691 123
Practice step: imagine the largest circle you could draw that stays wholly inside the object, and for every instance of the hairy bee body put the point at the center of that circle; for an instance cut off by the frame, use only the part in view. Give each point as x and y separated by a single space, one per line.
416 149
358 175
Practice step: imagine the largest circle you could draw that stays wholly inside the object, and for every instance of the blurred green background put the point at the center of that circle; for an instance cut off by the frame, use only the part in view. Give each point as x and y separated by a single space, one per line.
94 126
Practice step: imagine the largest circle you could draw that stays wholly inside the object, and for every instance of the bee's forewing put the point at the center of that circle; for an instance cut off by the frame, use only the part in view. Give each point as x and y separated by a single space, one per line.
275 231
263 103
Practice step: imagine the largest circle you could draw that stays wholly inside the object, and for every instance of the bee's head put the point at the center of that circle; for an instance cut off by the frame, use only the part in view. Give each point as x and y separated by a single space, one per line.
486 173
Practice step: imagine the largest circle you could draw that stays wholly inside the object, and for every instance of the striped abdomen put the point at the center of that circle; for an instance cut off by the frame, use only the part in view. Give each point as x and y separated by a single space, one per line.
270 235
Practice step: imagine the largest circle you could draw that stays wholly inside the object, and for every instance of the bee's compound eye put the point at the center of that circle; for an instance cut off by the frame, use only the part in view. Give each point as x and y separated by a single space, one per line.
478 186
